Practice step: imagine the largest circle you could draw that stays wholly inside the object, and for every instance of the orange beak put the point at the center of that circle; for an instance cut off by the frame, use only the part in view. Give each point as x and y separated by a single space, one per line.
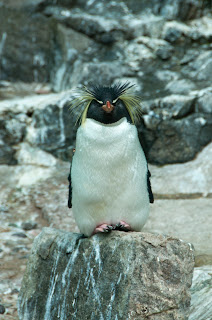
108 107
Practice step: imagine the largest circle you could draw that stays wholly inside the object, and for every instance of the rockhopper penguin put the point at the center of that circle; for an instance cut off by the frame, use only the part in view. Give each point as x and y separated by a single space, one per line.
109 180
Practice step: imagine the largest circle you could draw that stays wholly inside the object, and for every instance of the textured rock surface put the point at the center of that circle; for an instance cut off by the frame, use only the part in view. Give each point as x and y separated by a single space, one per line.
189 180
116 276
188 219
201 293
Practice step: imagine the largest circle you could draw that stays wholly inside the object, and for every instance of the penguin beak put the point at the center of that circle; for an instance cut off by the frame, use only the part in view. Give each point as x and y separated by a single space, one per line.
108 107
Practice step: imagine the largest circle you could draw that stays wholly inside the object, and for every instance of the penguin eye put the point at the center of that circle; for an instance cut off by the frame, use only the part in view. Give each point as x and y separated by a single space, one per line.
100 102
114 101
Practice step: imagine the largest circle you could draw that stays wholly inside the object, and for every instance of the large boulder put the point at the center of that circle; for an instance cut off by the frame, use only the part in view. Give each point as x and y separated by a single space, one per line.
115 276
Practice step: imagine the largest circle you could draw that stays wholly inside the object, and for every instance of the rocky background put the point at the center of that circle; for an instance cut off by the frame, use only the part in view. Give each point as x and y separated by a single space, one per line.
49 47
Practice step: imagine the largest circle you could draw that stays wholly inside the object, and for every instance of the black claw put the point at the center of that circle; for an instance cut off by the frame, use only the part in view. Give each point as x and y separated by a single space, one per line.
121 227
108 229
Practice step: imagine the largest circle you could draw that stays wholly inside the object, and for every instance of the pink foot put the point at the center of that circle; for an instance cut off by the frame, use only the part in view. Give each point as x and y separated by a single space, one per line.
103 228
123 226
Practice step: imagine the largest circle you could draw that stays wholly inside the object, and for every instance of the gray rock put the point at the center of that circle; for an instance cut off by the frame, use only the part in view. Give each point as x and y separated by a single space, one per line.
137 54
28 155
204 103
25 49
182 86
106 73
187 9
187 219
11 90
106 31
12 131
201 294
29 225
201 29
173 31
166 142
160 47
173 106
98 277
70 47
166 75
145 24
183 203
200 68
192 179
196 30
2 309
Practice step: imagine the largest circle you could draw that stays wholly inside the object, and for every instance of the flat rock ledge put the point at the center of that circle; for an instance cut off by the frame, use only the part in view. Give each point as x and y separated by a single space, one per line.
112 276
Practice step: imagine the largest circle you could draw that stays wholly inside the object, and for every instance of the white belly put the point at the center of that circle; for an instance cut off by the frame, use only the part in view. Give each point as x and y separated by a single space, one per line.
109 176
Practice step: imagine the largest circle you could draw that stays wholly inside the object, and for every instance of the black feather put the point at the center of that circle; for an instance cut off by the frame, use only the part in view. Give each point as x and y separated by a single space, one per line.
103 93
151 197
70 192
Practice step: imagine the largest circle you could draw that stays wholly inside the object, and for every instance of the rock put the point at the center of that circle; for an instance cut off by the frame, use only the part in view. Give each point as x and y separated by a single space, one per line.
39 122
29 225
29 155
173 31
167 141
184 10
106 73
201 29
182 86
2 309
166 75
203 260
73 269
19 234
12 131
140 25
22 176
160 47
174 106
198 30
187 219
204 103
10 90
189 180
70 47
200 68
106 31
201 294
26 49
137 55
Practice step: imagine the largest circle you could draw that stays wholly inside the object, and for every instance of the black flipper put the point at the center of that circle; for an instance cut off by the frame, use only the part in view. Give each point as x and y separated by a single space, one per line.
151 197
70 191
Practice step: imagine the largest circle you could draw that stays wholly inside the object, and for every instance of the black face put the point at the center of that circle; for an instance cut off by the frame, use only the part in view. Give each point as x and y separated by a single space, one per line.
108 95
96 112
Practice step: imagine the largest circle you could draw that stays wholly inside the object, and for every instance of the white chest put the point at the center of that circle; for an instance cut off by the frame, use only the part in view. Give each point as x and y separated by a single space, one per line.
109 172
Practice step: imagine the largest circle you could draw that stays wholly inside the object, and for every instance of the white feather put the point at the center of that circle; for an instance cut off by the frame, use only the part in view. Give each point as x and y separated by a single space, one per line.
109 176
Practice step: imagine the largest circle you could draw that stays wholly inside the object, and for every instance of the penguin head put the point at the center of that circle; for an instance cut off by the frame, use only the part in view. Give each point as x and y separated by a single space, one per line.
108 104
